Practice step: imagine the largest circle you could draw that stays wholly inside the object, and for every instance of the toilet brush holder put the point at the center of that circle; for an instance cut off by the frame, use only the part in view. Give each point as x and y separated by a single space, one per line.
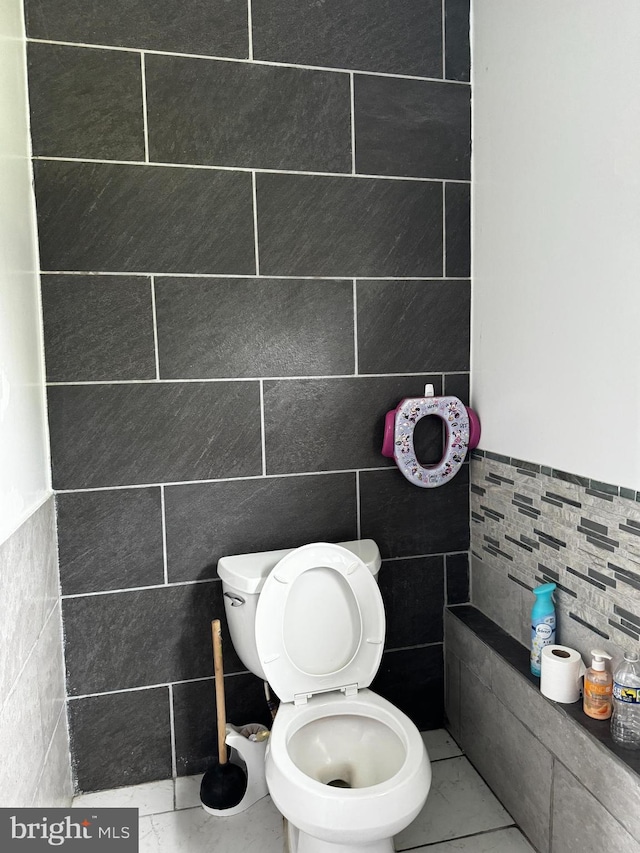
248 745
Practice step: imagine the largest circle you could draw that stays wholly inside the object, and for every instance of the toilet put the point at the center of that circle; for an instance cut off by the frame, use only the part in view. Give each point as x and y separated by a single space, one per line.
346 768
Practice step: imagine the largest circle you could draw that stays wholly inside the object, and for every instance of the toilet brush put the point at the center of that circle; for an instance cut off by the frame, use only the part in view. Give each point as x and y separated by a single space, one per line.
224 784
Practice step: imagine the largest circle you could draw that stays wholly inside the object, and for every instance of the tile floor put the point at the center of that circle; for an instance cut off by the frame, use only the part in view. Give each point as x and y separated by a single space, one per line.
461 814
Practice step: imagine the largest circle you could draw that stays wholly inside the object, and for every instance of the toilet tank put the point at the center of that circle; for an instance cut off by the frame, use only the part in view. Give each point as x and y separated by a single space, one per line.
243 576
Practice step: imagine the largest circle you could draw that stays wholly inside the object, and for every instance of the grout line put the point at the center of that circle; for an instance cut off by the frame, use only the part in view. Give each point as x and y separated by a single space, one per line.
184 583
249 169
144 107
251 477
262 430
243 61
356 366
424 278
422 556
213 380
250 29
444 230
416 646
254 194
221 480
164 585
155 686
353 123
428 844
172 729
358 519
154 320
165 562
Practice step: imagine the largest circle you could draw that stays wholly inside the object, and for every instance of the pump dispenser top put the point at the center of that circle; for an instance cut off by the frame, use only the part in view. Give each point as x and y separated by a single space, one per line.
543 624
599 657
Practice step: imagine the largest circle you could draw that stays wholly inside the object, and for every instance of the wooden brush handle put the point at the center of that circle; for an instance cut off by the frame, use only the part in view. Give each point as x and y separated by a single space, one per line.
218 671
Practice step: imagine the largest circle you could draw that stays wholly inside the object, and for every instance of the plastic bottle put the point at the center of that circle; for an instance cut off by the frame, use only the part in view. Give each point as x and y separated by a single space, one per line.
597 699
543 624
625 722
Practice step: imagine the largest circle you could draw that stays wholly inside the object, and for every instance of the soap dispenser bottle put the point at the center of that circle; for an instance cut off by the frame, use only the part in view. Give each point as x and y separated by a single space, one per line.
543 624
597 701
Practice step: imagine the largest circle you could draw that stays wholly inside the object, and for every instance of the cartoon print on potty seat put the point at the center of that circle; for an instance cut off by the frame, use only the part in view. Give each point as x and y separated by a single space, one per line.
454 414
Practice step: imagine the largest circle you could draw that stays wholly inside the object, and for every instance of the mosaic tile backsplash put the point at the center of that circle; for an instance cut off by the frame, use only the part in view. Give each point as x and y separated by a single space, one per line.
537 525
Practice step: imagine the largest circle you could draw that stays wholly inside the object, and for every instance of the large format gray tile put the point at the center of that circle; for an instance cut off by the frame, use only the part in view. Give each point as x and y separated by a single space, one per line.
204 523
144 637
237 114
121 739
130 218
331 424
85 103
259 829
348 226
254 327
194 704
413 680
394 36
580 823
459 803
22 742
217 27
500 747
457 385
109 540
415 128
509 840
440 745
501 599
608 779
458 229
107 435
457 578
97 328
452 696
148 798
413 595
28 590
393 317
55 785
457 53
406 520
49 662
466 647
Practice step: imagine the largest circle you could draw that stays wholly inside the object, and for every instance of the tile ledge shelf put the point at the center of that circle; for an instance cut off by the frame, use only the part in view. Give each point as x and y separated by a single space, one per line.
516 656
606 490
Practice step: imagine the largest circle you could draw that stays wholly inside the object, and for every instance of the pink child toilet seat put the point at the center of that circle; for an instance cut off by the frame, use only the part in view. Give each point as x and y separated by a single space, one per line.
462 432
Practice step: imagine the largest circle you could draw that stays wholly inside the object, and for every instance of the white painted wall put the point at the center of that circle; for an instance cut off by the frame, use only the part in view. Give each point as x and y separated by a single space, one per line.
556 233
24 461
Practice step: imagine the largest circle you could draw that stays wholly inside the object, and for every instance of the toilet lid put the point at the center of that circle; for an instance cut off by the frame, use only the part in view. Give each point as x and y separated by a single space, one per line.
319 623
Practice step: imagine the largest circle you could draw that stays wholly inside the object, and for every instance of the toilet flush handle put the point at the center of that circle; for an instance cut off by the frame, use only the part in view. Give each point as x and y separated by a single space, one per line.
236 600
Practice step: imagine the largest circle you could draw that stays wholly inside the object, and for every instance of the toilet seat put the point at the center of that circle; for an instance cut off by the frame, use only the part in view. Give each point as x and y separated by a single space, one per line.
320 623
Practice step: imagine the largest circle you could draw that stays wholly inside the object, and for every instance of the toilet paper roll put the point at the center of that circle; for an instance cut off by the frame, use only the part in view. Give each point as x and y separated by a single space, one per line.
561 671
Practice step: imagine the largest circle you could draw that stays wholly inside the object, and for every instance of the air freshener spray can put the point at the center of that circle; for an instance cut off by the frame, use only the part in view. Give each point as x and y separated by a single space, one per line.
543 624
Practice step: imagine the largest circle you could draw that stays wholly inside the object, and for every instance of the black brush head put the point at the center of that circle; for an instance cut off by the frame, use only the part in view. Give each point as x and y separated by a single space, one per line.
223 786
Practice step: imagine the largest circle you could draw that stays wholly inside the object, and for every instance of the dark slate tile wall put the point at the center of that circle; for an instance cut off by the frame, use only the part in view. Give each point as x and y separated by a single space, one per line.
253 244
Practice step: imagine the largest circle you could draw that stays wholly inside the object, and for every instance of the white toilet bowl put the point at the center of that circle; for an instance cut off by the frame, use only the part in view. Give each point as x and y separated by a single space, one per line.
347 771
346 768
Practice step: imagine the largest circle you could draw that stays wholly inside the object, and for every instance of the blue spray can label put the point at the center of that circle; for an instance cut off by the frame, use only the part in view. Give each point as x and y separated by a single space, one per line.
543 633
543 624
